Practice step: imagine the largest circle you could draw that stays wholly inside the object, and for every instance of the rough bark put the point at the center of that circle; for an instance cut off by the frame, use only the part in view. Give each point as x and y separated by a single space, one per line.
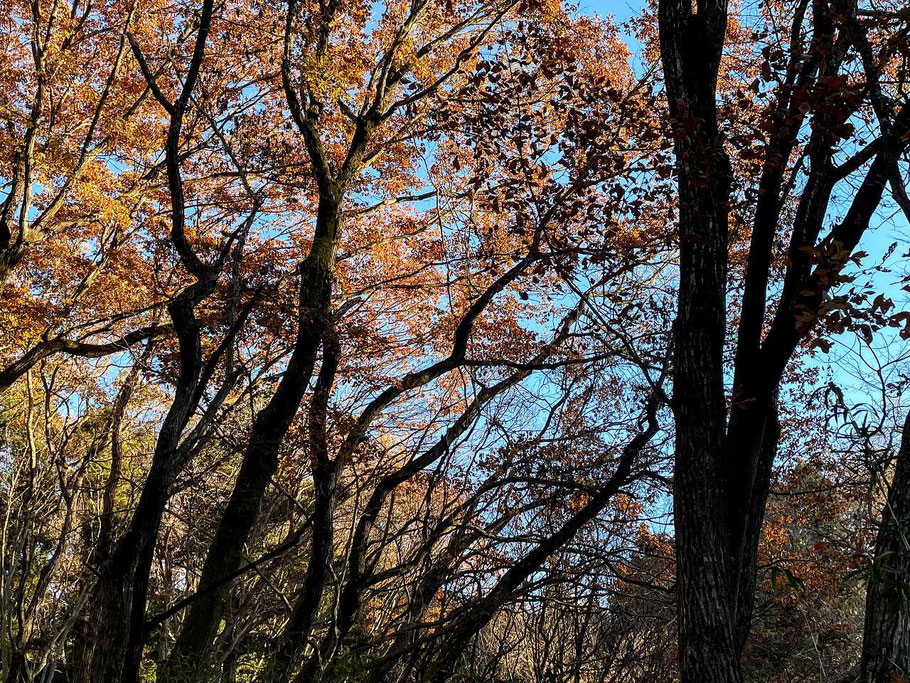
188 660
886 636
691 45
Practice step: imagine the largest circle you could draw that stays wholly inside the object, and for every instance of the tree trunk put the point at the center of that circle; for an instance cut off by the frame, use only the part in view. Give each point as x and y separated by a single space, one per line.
189 659
296 632
886 636
691 45
113 654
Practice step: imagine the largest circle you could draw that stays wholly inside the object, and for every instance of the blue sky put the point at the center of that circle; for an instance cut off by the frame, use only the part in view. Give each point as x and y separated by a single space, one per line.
618 8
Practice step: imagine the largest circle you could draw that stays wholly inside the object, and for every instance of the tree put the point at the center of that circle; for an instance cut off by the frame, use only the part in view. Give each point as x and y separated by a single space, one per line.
360 342
724 455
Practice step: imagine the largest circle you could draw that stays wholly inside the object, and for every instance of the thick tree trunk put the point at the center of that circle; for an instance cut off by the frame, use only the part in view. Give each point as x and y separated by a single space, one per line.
296 632
113 655
886 636
691 46
113 651
189 660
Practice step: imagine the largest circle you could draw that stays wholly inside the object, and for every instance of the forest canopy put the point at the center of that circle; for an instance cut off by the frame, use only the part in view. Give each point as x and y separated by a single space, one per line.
483 341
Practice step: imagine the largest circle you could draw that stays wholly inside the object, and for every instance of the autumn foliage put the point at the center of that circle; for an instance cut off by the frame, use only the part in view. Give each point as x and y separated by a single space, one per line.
475 340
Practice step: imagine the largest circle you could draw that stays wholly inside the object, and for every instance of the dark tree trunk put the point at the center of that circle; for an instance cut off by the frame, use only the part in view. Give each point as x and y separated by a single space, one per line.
751 517
112 653
886 636
106 653
691 46
189 659
294 637
325 474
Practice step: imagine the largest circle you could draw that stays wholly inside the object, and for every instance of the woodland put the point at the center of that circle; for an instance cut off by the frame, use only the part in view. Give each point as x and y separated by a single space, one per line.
482 341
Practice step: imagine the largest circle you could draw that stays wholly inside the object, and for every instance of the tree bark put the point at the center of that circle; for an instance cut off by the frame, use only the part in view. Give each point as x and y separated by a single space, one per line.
886 636
112 653
325 474
691 45
189 659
